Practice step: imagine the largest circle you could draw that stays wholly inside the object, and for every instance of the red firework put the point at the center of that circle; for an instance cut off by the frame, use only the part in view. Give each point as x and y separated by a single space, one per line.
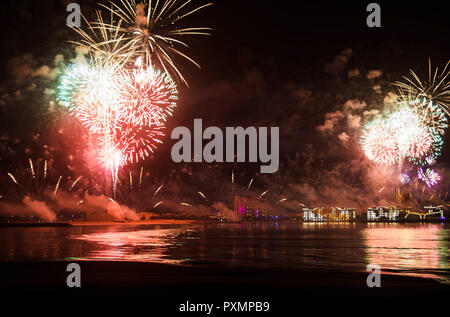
125 111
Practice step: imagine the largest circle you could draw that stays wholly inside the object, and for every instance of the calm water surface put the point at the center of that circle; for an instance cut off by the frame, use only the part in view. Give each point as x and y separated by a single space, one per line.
412 249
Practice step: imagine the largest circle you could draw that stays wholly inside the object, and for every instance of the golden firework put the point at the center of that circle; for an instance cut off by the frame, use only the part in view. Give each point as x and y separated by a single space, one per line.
435 88
149 33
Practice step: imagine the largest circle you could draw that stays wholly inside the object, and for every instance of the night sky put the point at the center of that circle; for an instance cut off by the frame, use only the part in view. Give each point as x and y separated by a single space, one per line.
267 63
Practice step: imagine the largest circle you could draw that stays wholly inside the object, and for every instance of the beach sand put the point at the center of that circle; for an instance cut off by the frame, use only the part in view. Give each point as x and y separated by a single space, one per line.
164 287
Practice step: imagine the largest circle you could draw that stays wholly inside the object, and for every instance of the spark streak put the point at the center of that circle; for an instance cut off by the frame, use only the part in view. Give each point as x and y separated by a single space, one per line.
261 196
157 191
249 184
13 178
57 186
74 183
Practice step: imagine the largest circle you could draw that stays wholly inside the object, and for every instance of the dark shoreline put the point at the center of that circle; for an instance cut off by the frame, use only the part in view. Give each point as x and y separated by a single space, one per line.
35 224
164 286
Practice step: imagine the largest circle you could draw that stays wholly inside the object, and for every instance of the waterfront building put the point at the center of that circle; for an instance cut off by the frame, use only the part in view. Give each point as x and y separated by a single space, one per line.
329 214
381 213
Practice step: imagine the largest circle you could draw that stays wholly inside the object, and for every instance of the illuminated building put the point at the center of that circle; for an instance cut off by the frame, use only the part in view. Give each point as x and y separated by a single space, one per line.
333 214
431 213
383 214
146 216
396 214
252 209
309 215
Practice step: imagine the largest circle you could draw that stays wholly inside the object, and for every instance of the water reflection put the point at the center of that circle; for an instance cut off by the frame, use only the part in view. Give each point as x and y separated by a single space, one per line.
142 245
404 249
419 250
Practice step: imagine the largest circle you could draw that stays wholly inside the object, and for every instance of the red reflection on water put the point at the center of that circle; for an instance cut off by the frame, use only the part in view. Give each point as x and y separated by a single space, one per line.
396 247
141 246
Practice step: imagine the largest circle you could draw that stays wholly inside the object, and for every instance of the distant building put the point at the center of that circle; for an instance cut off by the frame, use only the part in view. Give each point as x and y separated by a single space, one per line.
252 209
388 214
310 215
333 214
146 216
70 215
432 213
433 209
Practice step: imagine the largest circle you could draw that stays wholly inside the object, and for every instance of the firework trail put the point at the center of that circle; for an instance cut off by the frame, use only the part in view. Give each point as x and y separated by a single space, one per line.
74 183
13 178
45 169
57 186
250 184
262 195
140 177
34 184
152 31
435 88
131 180
32 168
157 191
203 195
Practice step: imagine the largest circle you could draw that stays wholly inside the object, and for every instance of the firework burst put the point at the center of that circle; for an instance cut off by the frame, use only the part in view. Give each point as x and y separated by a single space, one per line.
149 97
429 176
435 88
412 130
379 143
124 111
90 90
151 30
123 92
412 136
404 179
